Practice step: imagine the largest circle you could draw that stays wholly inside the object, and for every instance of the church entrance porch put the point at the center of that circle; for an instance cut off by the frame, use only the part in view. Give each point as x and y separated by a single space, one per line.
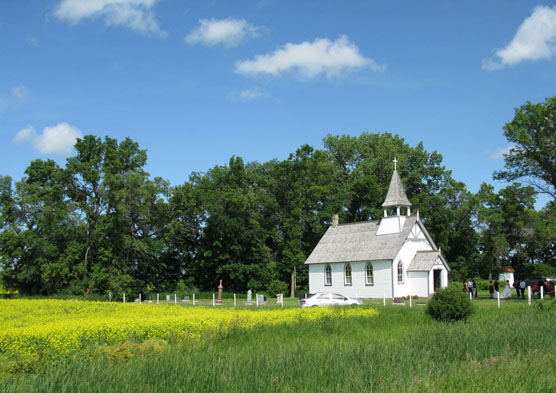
437 274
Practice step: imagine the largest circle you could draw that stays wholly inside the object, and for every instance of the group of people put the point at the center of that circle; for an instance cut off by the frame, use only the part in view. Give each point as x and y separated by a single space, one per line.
494 289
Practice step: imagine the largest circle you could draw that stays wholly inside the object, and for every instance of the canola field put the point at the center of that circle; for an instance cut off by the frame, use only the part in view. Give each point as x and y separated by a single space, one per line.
57 327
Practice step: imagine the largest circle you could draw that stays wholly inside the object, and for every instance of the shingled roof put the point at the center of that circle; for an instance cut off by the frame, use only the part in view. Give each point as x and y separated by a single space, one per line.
359 242
424 261
396 193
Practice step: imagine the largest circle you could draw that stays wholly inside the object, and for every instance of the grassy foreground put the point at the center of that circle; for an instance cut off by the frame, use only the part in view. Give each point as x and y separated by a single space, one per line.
507 350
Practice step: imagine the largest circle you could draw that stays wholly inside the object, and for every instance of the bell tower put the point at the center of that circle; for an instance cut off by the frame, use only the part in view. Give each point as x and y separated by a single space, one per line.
396 199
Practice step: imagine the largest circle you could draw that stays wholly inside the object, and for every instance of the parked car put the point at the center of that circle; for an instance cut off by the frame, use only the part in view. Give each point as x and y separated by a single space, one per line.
532 280
324 299
548 288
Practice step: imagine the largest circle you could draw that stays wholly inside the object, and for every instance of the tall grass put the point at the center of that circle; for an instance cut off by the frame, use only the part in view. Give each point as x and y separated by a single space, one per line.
402 350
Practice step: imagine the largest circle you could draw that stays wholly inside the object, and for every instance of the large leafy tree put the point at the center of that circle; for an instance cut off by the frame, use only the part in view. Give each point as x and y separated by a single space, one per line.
39 240
533 155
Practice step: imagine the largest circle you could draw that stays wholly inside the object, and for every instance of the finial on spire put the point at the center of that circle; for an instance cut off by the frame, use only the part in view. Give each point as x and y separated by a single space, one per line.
395 163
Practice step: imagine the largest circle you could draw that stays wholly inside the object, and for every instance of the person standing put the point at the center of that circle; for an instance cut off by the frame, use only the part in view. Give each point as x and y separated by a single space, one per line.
465 287
496 286
474 289
516 286
522 287
490 289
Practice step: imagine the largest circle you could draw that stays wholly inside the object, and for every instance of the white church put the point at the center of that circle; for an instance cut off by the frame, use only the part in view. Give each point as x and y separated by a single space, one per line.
391 257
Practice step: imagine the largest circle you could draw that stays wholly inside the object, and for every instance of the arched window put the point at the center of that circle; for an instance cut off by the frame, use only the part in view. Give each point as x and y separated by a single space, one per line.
400 272
347 274
369 280
327 275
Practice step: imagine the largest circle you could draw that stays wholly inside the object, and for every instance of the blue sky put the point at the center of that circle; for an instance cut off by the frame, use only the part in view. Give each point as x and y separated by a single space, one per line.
195 82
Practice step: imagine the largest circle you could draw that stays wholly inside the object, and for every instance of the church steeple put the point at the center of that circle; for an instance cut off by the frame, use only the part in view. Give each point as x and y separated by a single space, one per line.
396 196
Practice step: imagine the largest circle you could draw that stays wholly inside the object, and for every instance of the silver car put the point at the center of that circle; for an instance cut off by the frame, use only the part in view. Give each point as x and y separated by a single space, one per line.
324 299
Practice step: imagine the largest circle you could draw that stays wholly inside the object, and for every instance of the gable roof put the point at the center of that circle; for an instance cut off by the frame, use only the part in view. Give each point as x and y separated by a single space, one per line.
396 194
423 261
359 242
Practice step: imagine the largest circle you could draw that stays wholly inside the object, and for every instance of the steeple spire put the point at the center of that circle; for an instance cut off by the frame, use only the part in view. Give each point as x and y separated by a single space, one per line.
396 196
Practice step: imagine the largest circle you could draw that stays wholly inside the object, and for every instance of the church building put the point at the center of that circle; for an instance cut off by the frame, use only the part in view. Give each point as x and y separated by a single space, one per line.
391 257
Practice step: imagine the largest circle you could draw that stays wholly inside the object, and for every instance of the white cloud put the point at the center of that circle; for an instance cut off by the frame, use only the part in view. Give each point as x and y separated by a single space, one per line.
134 14
58 139
251 94
229 32
310 59
535 40
32 40
501 153
19 91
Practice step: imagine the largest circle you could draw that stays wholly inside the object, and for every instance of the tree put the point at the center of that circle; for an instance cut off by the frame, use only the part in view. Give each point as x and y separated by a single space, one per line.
533 154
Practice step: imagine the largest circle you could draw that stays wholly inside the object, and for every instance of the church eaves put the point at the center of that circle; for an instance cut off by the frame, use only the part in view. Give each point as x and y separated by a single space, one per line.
396 193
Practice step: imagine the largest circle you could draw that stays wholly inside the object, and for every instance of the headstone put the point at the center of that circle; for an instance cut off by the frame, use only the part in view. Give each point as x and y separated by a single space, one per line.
219 299
261 299
279 298
186 298
249 300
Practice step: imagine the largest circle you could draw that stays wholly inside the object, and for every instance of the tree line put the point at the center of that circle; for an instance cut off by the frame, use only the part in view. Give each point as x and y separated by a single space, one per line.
101 223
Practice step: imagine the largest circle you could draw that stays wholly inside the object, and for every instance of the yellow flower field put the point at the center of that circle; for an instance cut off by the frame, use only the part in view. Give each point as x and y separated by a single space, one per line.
63 326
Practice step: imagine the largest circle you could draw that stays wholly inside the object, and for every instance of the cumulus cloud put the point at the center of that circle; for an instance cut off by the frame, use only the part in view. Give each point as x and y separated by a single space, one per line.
58 139
310 59
228 32
134 14
19 91
501 153
535 40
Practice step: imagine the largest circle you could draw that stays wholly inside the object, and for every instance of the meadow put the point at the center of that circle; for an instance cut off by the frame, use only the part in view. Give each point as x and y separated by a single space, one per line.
382 349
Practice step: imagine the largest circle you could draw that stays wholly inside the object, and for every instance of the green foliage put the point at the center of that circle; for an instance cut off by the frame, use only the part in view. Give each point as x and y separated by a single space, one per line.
276 287
533 134
101 223
448 305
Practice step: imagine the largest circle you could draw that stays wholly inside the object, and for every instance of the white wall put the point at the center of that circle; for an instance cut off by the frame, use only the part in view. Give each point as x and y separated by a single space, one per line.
418 284
382 274
406 255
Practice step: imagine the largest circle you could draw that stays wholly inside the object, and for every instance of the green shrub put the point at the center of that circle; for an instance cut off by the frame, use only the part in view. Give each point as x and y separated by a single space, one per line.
276 287
449 305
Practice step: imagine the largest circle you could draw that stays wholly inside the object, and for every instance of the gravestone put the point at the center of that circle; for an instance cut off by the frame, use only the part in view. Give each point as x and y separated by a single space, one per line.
186 298
220 288
249 300
261 299
279 299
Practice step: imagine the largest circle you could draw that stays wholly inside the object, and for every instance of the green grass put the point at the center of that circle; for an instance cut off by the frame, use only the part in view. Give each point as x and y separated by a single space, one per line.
512 349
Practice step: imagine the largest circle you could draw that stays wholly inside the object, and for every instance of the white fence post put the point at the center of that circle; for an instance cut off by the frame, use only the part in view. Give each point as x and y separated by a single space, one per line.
124 297
498 296
175 299
157 299
470 295
257 297
109 296
542 292
529 294
213 300
234 299
410 305
384 299
139 298
193 299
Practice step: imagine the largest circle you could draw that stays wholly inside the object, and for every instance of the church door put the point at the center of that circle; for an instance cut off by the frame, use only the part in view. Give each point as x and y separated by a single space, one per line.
437 279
